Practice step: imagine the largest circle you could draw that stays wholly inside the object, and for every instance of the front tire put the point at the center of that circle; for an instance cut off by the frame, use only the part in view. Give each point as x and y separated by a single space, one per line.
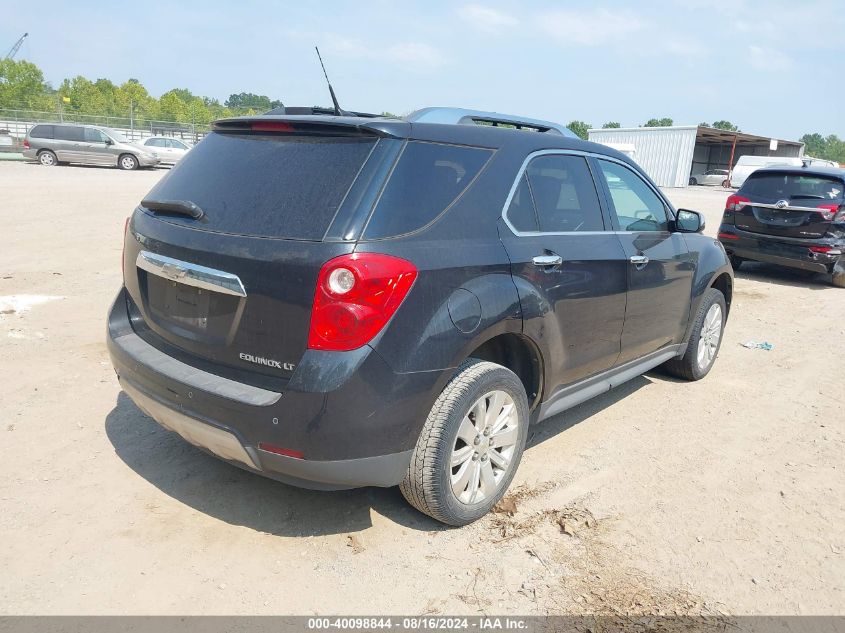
705 340
838 275
47 158
693 181
470 445
127 162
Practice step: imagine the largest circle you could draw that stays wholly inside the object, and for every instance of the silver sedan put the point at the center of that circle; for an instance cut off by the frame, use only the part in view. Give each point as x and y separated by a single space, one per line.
169 150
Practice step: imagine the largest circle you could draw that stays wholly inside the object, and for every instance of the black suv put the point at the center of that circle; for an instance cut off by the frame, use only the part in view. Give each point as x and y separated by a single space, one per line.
791 216
338 302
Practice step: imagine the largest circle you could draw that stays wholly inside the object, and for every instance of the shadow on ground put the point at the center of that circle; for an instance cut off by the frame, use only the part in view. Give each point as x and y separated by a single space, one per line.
238 497
783 276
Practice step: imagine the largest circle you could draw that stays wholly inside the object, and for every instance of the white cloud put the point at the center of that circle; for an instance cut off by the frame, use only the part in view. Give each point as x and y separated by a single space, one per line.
486 19
588 28
768 59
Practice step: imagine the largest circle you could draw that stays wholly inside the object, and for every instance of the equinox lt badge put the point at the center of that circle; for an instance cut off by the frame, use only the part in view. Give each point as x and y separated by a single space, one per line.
269 362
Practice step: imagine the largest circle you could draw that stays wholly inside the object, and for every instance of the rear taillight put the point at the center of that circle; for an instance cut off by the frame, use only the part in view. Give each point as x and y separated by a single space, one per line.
279 450
26 143
355 297
735 202
830 212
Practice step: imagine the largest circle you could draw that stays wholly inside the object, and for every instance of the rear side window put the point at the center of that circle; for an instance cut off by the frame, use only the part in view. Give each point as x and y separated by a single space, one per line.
790 186
41 131
521 213
427 179
266 185
69 133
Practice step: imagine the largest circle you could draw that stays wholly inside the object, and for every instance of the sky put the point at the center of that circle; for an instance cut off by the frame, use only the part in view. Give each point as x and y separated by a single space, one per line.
773 67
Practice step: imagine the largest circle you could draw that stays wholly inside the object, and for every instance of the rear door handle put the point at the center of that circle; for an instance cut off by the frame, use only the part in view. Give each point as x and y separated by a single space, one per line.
547 260
638 260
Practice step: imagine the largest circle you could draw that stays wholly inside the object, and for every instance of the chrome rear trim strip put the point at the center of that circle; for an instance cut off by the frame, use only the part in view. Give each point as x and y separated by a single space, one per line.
190 274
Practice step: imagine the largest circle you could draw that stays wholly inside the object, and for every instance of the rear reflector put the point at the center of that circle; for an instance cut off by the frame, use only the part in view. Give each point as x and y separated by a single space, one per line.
728 236
271 126
278 450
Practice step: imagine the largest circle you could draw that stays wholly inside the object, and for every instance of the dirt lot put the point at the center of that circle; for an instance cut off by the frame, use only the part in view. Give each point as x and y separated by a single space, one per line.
723 496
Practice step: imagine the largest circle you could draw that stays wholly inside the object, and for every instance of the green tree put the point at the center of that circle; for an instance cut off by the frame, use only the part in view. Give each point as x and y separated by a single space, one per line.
22 86
611 125
705 124
250 101
664 122
814 144
579 128
725 125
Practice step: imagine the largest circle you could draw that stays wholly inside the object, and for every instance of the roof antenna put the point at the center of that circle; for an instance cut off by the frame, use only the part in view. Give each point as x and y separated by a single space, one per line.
337 109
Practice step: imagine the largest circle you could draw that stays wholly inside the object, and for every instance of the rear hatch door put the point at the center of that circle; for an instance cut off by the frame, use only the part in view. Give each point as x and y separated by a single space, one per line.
789 204
223 254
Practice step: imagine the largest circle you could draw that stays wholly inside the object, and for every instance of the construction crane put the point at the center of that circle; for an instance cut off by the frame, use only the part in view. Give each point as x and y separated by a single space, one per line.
14 50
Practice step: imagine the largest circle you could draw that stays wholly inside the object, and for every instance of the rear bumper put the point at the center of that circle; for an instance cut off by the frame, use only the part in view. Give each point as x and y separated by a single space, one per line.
359 433
793 253
30 154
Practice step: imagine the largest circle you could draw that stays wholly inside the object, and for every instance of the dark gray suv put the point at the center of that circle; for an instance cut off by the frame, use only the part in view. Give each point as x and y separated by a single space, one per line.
345 301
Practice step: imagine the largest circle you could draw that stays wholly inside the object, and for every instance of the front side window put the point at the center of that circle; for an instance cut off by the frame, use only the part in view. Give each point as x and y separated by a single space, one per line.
637 206
94 136
564 194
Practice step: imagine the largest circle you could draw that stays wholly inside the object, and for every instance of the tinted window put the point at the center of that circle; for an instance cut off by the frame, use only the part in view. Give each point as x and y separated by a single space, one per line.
636 205
273 186
426 180
69 133
41 131
786 186
94 136
521 213
564 194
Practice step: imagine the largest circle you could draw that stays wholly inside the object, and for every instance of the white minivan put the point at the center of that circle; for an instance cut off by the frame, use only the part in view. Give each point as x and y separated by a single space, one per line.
747 164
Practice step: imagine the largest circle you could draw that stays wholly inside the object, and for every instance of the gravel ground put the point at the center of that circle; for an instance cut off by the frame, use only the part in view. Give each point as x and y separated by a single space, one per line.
722 496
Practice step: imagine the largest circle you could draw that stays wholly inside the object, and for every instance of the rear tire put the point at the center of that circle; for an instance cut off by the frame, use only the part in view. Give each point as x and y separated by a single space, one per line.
127 162
470 445
726 184
693 181
47 158
736 262
705 340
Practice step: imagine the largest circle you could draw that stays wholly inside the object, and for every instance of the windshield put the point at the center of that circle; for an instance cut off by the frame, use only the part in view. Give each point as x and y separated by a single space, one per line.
790 186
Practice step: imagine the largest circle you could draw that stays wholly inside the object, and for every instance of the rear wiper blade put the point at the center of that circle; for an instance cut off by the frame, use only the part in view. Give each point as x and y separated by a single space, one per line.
806 196
182 207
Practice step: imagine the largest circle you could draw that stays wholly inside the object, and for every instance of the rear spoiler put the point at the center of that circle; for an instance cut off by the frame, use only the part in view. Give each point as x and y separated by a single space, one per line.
318 125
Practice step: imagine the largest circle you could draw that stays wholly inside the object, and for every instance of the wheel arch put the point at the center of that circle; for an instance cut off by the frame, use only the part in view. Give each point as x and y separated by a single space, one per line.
521 355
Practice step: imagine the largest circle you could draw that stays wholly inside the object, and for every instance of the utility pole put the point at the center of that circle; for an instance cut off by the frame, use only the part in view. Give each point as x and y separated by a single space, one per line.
131 119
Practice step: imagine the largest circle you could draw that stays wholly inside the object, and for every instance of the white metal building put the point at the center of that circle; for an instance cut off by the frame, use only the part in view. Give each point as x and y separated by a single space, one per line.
671 154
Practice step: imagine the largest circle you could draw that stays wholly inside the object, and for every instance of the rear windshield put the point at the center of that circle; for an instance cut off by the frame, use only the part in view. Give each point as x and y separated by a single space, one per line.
427 179
266 185
791 186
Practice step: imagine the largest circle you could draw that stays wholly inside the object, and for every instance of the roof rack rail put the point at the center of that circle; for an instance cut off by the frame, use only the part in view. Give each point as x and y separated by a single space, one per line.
460 116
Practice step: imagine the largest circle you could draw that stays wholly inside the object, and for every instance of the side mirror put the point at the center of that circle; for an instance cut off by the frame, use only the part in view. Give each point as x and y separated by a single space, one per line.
108 141
689 221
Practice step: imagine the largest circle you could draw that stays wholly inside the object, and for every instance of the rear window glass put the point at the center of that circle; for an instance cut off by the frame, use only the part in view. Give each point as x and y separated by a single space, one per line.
427 179
791 186
41 131
269 186
69 133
